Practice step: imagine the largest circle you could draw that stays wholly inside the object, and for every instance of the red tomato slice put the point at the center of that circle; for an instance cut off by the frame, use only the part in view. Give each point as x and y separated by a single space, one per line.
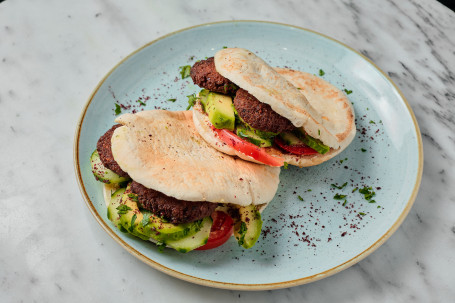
295 149
248 148
221 231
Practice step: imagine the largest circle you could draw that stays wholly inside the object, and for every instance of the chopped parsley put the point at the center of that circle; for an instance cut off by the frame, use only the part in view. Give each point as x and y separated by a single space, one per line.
140 102
285 165
355 189
372 201
340 187
191 101
345 201
224 46
339 197
171 100
118 109
133 197
347 91
145 219
133 219
367 193
300 198
321 73
123 209
308 189
362 214
372 122
185 71
319 132
363 150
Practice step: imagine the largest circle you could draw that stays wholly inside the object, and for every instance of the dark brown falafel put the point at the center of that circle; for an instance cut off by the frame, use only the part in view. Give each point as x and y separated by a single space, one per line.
204 74
260 115
103 146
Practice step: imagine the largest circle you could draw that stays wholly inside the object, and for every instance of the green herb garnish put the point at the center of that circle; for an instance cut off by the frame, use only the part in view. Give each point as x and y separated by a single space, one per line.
300 198
347 91
344 203
133 197
224 46
118 109
140 102
339 197
123 209
285 165
367 193
340 187
133 219
191 101
145 219
321 73
185 71
372 122
171 100
355 189
363 150
362 214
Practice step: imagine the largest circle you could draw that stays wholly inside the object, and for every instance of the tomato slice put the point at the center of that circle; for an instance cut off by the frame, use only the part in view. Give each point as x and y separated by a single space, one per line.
257 153
221 231
295 149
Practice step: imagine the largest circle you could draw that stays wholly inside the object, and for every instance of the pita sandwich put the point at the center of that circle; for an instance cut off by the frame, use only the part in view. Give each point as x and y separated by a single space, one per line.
176 182
319 114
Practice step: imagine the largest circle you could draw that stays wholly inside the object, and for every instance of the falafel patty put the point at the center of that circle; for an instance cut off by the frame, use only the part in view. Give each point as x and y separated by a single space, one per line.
204 74
171 209
103 146
260 115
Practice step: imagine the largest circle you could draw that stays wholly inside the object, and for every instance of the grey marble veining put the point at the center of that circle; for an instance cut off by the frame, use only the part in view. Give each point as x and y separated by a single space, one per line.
52 55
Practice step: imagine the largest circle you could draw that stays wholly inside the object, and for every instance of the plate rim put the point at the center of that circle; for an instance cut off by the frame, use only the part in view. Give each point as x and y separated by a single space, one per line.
245 286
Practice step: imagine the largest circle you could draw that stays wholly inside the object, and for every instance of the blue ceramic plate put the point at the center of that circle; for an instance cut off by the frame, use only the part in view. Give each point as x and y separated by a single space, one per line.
308 234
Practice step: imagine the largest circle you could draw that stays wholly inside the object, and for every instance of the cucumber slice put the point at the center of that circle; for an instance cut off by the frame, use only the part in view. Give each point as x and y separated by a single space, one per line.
103 173
291 139
316 144
253 137
248 229
189 243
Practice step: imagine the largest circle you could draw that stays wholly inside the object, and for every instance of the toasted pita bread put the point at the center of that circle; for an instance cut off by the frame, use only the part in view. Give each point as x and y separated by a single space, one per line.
162 150
322 96
251 73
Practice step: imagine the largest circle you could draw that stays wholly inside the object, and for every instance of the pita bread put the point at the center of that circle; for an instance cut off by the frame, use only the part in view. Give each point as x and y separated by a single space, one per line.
251 73
163 151
322 96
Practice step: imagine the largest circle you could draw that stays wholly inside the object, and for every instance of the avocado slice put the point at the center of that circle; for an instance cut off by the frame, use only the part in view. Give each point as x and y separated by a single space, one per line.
220 111
145 225
248 228
112 214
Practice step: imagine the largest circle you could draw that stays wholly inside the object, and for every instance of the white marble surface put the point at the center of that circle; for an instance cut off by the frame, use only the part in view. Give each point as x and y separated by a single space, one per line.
52 55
